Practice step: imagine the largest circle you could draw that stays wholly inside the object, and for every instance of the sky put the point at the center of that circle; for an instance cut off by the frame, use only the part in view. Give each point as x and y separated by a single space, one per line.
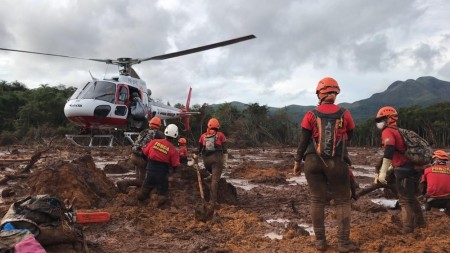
365 45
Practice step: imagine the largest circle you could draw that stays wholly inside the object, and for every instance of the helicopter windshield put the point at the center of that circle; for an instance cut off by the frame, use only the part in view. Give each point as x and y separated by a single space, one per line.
100 90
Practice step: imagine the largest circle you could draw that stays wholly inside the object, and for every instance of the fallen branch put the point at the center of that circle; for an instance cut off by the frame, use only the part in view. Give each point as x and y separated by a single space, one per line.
14 160
19 174
33 160
373 187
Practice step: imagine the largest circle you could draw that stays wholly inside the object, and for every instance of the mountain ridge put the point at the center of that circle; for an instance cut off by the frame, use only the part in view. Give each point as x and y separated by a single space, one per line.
423 91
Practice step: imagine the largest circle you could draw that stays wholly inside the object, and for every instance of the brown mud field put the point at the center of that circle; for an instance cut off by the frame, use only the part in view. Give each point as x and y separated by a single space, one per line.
263 206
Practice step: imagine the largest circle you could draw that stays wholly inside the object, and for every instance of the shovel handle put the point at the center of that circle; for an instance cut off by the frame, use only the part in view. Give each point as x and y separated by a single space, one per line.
199 177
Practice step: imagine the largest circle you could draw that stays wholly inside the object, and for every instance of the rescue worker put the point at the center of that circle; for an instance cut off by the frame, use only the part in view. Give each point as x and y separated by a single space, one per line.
436 183
325 157
215 156
406 176
162 158
182 150
138 159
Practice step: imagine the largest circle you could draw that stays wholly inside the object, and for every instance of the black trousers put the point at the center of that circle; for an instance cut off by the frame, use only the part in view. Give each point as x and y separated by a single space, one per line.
156 176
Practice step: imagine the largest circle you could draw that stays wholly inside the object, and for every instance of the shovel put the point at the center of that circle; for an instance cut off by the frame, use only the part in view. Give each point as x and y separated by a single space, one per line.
204 211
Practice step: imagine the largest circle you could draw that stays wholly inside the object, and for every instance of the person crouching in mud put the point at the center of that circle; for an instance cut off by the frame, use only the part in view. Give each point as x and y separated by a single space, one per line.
138 159
325 131
162 157
215 156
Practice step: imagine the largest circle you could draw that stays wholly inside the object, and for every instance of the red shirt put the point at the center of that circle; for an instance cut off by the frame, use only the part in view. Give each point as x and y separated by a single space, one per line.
162 150
309 121
391 136
220 139
182 150
438 181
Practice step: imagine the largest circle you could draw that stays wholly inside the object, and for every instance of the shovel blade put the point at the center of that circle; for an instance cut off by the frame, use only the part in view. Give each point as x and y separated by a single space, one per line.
204 212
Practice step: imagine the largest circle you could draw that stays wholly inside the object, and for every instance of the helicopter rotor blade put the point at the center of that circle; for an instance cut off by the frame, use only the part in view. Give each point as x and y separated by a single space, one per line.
199 49
57 55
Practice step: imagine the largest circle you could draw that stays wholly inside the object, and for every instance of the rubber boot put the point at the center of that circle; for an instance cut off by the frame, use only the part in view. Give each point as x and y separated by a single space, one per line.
407 220
343 219
418 215
144 193
318 216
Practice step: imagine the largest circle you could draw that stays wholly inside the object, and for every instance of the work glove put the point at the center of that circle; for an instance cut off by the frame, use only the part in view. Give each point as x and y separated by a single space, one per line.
296 169
383 170
225 161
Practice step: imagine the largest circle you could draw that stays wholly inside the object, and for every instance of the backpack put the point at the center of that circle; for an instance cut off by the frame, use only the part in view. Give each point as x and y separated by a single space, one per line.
41 209
210 143
328 125
142 140
418 150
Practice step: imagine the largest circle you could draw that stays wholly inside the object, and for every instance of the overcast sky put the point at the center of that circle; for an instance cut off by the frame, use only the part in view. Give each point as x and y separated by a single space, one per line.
365 45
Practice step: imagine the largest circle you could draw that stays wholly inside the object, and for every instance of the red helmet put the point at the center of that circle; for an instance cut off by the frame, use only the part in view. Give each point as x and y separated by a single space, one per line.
182 141
327 85
155 122
440 154
387 112
213 123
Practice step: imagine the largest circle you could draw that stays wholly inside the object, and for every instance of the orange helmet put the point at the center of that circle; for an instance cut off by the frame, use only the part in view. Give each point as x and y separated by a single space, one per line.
182 141
213 123
440 154
155 122
387 112
327 85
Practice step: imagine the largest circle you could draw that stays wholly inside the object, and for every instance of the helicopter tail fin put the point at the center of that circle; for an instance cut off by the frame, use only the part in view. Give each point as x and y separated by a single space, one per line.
186 114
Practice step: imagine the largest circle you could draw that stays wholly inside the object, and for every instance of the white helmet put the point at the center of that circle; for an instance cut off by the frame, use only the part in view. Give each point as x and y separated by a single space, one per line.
171 131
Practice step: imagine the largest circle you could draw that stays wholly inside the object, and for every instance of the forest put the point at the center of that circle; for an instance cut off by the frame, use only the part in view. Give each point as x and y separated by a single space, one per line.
32 115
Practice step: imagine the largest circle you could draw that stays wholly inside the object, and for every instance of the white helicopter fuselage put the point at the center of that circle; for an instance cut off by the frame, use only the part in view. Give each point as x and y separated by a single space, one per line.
103 104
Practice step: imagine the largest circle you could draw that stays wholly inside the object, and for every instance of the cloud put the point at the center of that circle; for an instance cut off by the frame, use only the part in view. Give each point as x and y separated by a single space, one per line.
365 45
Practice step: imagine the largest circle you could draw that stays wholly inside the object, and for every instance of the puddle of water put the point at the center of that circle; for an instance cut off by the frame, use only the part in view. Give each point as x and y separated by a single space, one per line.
279 220
241 183
300 180
368 171
273 236
389 203
307 227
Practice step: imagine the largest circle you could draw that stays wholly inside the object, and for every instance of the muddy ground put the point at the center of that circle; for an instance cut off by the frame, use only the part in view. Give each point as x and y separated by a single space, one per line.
265 209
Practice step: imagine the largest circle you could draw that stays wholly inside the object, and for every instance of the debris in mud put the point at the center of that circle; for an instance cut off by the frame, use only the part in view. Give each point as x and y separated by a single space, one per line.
239 223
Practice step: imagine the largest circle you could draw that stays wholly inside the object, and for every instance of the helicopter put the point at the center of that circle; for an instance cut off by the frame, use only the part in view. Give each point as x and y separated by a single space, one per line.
108 103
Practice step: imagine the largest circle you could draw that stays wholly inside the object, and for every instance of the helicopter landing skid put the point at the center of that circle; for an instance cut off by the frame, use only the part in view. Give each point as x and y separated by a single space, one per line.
91 140
131 136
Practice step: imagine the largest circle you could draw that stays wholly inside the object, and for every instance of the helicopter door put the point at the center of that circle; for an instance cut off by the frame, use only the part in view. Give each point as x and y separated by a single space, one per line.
122 101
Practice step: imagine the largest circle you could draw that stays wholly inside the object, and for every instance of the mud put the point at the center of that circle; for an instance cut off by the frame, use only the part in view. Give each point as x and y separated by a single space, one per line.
263 207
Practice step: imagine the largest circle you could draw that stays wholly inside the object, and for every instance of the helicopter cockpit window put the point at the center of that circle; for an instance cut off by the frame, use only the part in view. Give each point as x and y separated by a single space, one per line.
100 90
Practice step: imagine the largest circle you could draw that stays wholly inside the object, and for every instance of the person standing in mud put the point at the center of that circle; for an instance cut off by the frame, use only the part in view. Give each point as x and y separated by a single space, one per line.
182 150
325 132
215 156
406 176
162 158
435 183
138 159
